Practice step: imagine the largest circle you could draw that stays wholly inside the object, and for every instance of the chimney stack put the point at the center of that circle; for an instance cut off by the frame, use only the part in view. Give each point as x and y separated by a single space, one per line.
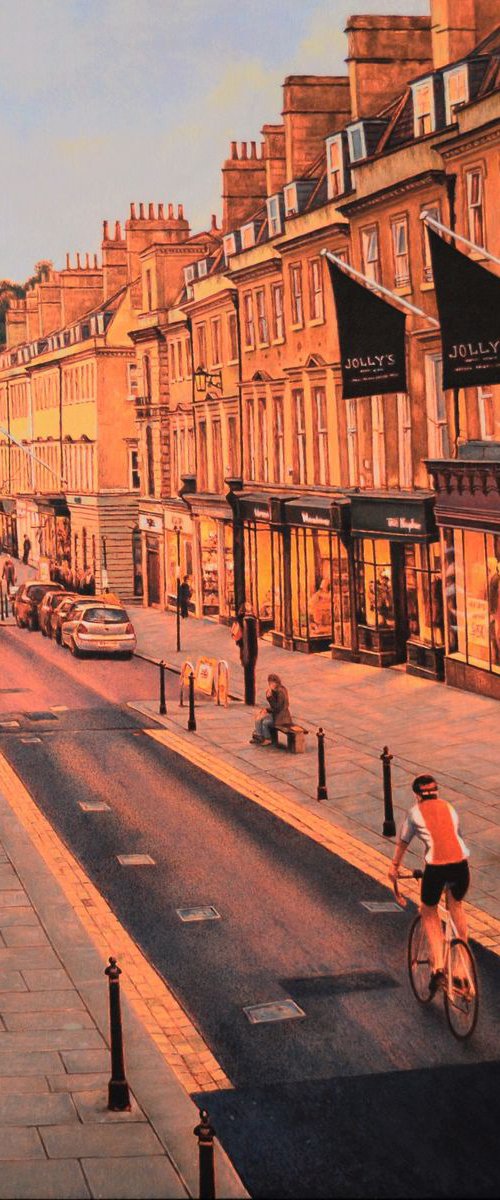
274 157
243 186
314 106
384 54
458 26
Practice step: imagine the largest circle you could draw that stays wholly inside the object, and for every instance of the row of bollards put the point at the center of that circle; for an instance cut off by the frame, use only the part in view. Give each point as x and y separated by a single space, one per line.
162 709
119 1094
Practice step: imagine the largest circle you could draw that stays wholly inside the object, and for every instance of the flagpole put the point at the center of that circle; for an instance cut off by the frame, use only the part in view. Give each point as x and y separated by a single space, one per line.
30 454
459 237
378 287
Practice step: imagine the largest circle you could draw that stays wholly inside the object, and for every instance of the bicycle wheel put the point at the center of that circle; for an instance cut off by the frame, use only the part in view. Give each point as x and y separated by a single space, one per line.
419 966
461 999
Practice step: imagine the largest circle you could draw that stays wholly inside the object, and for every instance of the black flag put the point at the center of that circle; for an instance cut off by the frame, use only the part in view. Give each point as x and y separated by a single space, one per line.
371 337
468 300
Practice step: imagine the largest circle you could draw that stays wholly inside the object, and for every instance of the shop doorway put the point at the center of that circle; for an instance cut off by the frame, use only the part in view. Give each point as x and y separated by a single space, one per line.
153 570
401 628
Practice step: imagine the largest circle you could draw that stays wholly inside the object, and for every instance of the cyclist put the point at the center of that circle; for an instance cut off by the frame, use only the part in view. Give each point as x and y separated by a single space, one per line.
435 822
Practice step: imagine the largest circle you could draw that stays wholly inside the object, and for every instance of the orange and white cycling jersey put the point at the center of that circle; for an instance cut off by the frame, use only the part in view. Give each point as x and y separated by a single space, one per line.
436 823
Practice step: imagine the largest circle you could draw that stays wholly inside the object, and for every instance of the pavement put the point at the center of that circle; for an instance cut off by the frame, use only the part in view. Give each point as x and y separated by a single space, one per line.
428 727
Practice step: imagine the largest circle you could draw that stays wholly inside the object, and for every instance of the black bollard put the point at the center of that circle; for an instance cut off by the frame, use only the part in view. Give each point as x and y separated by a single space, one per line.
118 1093
163 706
322 793
2 614
191 718
389 826
205 1134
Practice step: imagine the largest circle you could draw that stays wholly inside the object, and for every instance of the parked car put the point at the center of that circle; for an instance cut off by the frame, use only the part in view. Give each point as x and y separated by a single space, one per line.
98 627
50 602
58 615
27 600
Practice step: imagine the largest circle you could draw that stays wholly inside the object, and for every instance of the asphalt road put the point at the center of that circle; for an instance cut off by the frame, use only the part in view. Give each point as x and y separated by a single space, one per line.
367 1094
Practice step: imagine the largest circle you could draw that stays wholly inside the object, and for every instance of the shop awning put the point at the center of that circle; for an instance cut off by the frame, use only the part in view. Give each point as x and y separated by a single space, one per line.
52 504
7 507
394 515
319 512
254 506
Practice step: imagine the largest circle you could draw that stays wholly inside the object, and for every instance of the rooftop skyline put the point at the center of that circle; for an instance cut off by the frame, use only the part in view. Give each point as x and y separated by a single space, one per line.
107 101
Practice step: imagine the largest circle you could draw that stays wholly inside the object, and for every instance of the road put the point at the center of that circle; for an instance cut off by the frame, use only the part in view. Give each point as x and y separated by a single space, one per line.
367 1094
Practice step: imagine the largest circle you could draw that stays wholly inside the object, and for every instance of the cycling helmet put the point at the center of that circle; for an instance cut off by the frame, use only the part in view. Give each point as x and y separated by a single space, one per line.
425 786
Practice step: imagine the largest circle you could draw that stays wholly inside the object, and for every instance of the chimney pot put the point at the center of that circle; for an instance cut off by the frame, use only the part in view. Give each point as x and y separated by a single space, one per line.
132 212
67 261
180 212
95 262
170 212
78 263
244 150
87 260
151 211
253 150
161 212
141 211
214 223
105 233
118 232
234 149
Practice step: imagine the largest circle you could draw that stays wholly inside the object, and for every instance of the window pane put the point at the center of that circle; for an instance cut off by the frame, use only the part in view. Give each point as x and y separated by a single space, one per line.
493 557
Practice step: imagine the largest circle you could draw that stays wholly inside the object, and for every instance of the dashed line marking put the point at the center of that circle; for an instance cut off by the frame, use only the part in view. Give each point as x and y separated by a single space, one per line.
94 806
201 912
135 860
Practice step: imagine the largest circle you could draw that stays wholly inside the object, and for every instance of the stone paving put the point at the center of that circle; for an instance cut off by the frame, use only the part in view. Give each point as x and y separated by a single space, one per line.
57 1138
428 727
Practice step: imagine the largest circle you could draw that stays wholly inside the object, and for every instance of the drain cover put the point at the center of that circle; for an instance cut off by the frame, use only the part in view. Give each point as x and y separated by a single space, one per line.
41 716
135 860
200 912
10 724
275 1010
380 906
29 741
94 806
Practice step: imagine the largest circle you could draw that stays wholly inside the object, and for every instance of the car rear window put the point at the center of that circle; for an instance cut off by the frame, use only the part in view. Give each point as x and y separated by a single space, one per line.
36 593
106 616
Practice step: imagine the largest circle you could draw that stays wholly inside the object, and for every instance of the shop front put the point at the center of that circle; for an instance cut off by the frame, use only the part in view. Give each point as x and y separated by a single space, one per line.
178 553
313 581
468 515
9 539
398 582
258 561
54 530
212 558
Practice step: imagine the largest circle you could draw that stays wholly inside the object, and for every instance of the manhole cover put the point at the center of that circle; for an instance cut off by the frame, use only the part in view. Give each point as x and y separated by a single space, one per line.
10 724
200 912
94 806
135 860
381 906
275 1010
29 741
41 716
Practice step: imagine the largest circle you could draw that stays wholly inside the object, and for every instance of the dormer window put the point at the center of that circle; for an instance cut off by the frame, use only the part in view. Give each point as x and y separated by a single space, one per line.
335 166
202 268
456 91
291 201
296 196
248 235
424 109
357 143
275 212
232 244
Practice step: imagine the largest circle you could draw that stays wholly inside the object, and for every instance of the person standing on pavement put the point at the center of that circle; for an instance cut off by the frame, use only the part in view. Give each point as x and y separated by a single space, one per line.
244 633
185 593
9 573
26 550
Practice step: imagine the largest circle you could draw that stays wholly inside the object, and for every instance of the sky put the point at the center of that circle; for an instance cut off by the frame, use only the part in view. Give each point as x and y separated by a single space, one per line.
107 101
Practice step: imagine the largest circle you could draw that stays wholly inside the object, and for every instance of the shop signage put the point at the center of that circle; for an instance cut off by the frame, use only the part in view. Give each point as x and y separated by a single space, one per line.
478 621
371 337
393 520
315 519
205 675
150 524
253 508
468 300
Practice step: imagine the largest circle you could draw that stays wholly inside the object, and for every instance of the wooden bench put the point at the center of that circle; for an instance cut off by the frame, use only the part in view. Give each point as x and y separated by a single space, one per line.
295 737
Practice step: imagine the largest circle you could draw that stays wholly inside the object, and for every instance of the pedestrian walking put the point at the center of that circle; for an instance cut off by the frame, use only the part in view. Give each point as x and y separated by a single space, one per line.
9 573
276 713
26 550
185 593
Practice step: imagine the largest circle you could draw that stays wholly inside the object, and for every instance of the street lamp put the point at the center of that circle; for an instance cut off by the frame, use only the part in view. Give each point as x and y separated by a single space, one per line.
177 531
205 379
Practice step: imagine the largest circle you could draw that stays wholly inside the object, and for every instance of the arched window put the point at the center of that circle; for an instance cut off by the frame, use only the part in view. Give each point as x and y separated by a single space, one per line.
150 460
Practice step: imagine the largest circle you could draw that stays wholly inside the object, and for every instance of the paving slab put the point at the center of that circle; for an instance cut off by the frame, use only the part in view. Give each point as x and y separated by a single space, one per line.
98 1141
39 1109
43 1181
18 1141
70 1018
133 1179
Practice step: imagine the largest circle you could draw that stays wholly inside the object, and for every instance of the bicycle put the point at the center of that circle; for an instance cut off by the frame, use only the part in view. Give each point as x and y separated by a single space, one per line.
460 987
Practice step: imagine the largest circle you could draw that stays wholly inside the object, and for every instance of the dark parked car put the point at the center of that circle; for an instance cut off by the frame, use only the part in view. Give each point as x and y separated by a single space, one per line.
50 602
60 614
27 599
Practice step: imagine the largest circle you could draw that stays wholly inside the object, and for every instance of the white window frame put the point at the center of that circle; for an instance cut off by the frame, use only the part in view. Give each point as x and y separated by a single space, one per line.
460 72
202 268
291 200
248 321
486 408
278 313
279 419
316 298
232 323
230 247
250 415
321 421
263 437
336 186
133 470
371 261
216 336
274 220
300 433
474 206
247 234
262 322
378 442
400 236
352 442
417 88
351 134
405 459
297 296
438 437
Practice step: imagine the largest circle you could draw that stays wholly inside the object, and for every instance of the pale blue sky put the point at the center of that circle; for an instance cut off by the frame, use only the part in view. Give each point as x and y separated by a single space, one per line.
107 101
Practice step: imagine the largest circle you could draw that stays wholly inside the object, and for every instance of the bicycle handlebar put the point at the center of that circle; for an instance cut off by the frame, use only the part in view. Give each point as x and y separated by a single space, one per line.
401 900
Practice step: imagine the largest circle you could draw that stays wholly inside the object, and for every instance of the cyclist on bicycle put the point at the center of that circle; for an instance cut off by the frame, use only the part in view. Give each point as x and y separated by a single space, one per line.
435 822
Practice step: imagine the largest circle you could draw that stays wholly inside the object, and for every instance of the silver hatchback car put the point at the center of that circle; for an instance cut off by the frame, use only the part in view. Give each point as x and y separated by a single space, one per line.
98 628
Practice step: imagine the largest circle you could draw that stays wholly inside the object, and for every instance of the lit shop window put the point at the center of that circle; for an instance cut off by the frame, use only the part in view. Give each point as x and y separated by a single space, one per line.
424 593
472 595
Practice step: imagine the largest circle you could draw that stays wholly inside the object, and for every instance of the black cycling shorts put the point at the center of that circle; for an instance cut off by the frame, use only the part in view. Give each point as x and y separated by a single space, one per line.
436 876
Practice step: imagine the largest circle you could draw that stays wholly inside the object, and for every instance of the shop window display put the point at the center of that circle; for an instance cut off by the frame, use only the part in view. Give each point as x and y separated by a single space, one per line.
259 571
375 600
320 587
209 566
424 594
228 598
472 586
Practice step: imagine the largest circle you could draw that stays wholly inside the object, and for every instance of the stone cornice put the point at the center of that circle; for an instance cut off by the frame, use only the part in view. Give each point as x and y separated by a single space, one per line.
484 136
402 187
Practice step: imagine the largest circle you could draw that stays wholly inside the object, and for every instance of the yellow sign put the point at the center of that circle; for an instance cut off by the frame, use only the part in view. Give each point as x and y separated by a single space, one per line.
223 683
205 675
187 669
44 570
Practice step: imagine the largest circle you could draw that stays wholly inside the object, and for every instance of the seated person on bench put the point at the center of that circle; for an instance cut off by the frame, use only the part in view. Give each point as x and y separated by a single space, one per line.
277 713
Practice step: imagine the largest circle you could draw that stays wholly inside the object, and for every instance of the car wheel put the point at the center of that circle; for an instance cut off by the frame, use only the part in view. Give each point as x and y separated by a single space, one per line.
74 649
19 623
58 637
